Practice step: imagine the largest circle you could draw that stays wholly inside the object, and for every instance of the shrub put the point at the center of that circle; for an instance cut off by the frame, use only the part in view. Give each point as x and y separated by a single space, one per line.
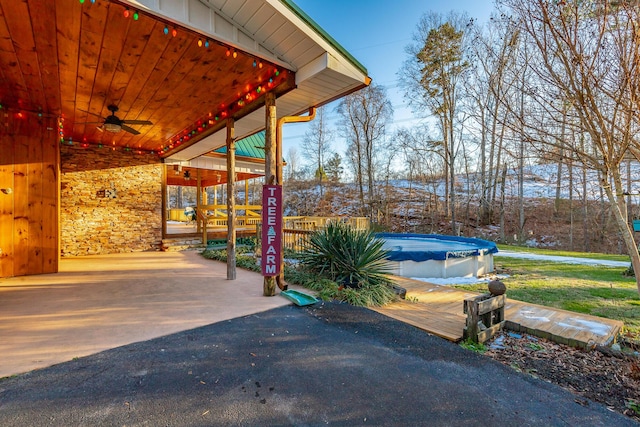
349 257
352 261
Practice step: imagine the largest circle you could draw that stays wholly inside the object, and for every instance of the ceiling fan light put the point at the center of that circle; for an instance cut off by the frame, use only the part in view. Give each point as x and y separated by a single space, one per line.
112 127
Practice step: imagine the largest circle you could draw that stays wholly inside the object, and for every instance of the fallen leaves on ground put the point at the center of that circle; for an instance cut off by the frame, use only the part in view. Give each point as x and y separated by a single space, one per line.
605 376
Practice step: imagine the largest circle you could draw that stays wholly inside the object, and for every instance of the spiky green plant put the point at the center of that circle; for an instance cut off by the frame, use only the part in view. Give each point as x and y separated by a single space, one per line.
352 258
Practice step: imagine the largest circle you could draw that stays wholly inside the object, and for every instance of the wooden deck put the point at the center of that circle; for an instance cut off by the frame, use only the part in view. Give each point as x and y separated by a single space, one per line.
438 310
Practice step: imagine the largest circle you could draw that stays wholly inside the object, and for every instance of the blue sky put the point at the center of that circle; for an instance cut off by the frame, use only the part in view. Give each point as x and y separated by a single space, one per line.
376 32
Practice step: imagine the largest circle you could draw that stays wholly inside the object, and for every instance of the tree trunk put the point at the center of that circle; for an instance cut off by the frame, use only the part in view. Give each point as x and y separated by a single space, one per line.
585 213
570 170
502 197
618 207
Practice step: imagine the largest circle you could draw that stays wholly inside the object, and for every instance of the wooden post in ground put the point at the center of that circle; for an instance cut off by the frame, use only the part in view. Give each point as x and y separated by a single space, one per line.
485 316
231 200
269 286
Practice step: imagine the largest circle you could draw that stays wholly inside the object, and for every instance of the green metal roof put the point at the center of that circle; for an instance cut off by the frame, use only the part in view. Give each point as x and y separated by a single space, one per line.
296 9
251 146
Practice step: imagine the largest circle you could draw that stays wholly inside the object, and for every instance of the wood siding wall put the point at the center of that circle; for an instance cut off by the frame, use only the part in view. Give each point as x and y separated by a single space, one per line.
29 195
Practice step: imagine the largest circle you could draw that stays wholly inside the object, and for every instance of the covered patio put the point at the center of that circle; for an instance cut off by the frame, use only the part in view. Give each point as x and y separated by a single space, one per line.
102 98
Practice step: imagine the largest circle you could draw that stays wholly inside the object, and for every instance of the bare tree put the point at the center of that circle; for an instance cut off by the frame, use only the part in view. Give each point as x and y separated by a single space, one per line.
587 53
491 81
316 145
431 78
293 164
364 116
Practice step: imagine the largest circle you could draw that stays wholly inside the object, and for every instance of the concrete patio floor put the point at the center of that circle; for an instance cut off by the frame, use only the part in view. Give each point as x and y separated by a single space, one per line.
100 302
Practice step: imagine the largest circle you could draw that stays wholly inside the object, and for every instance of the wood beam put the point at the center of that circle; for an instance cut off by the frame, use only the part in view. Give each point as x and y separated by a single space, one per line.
231 200
270 176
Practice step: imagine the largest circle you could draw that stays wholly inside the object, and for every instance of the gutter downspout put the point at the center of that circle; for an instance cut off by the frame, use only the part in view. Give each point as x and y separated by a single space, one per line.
279 172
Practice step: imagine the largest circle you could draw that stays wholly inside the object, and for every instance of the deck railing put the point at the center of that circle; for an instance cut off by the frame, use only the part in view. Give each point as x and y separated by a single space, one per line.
296 228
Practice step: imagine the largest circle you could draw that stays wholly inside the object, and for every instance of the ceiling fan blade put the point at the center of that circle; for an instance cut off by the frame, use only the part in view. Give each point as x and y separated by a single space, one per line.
130 130
137 122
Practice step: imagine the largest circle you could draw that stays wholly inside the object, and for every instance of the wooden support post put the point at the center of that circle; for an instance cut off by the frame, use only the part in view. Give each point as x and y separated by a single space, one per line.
269 286
199 202
231 201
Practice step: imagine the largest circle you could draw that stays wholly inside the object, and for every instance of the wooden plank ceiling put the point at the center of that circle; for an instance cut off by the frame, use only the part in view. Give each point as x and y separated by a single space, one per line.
71 59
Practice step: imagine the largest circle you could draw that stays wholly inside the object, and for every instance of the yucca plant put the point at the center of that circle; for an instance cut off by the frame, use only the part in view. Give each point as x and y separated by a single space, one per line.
349 257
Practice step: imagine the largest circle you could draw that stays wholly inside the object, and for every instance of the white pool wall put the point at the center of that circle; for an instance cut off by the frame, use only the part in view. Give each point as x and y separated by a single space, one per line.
473 266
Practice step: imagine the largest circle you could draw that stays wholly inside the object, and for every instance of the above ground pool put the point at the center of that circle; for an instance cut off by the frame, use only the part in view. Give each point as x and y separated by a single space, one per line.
434 255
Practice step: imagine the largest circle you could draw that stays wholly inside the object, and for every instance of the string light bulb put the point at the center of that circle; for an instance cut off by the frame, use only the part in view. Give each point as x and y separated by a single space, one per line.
126 13
136 15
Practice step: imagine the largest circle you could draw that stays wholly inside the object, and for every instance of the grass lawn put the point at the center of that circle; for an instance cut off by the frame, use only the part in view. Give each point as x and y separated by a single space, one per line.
596 290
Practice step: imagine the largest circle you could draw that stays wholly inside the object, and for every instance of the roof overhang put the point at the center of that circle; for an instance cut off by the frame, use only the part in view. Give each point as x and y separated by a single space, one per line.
184 65
281 32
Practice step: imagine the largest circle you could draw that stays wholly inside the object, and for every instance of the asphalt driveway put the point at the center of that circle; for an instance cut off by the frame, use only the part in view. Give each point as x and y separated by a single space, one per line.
331 364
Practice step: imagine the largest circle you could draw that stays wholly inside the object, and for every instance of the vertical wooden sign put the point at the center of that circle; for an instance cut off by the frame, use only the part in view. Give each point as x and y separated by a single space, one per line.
271 229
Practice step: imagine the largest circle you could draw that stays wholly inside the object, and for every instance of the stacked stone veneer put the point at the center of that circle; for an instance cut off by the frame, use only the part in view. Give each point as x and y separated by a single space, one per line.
91 222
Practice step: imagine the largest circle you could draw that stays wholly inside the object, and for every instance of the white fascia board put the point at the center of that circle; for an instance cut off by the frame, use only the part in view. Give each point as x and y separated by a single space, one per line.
313 68
324 62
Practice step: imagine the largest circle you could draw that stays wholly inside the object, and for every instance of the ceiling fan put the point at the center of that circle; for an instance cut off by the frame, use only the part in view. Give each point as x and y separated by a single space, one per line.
114 124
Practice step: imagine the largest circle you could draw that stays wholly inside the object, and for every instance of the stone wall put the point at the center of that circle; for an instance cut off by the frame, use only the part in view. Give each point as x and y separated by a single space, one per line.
110 201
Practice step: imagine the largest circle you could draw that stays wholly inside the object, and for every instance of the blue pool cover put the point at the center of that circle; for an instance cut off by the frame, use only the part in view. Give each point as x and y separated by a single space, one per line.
423 247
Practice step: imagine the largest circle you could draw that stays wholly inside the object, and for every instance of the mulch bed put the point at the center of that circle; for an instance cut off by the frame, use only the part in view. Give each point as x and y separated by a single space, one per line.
602 375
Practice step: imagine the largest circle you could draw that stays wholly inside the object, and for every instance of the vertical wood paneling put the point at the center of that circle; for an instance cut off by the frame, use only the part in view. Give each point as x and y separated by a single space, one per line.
6 202
35 193
21 201
50 199
29 215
